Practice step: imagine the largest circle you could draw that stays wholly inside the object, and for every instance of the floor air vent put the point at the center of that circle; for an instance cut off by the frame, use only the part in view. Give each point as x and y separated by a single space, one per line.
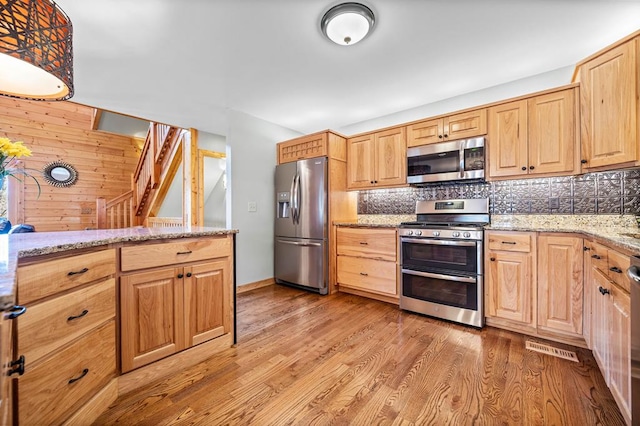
550 350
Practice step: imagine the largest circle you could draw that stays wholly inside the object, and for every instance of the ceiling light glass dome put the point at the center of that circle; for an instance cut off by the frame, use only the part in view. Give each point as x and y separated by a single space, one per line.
347 23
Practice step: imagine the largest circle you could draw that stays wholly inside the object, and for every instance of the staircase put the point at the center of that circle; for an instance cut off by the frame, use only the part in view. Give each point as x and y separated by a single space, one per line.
159 158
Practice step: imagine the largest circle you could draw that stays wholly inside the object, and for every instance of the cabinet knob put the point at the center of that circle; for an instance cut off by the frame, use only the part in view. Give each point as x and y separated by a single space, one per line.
583 161
189 274
603 290
15 311
446 135
440 136
180 275
17 366
493 259
371 181
531 167
586 248
524 168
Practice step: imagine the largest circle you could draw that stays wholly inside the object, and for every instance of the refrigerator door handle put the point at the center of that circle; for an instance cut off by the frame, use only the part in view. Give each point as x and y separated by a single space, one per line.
294 243
298 197
293 200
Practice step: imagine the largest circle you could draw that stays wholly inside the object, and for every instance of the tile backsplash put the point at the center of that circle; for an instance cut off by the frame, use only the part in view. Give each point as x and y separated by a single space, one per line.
615 192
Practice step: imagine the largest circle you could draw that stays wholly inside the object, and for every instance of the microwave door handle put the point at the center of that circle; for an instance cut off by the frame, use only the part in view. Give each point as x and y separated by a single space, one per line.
462 146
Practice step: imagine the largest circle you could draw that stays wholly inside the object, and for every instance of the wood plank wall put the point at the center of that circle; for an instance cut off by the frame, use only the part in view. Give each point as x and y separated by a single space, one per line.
63 131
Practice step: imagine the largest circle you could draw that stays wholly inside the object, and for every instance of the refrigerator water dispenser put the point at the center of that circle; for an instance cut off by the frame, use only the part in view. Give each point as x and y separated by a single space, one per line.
284 204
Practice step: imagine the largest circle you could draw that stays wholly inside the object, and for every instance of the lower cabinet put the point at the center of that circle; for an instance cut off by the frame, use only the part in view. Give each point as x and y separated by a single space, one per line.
165 310
534 284
367 262
611 326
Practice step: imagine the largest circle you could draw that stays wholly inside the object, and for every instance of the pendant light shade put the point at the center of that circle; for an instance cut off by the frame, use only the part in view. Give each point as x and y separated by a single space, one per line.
347 23
36 55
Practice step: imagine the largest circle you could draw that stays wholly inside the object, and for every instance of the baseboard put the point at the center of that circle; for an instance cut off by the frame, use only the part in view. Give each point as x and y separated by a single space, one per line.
252 286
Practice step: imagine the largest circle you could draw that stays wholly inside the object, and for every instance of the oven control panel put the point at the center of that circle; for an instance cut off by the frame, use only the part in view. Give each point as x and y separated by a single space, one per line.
452 234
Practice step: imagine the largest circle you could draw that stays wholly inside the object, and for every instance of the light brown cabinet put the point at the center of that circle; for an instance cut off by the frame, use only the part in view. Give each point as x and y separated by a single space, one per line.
535 136
67 337
610 104
309 146
367 262
510 279
457 126
377 159
611 324
560 284
167 309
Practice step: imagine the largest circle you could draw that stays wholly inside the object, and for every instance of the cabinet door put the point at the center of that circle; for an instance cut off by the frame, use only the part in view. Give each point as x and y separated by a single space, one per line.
425 132
560 285
509 287
600 321
360 164
390 157
466 125
508 139
620 351
552 132
150 316
609 107
206 300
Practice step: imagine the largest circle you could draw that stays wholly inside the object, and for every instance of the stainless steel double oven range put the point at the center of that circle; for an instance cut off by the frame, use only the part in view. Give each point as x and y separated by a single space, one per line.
441 260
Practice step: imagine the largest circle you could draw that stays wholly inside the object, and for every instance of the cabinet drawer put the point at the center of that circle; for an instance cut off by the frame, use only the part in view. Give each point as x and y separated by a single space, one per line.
367 274
47 326
618 265
372 243
599 256
510 241
171 253
47 278
47 395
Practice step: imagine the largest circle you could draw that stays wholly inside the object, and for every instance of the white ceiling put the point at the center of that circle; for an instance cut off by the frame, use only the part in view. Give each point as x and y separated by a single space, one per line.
189 62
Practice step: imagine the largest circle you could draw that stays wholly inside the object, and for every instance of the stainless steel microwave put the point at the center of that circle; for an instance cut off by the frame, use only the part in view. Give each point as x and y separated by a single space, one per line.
446 161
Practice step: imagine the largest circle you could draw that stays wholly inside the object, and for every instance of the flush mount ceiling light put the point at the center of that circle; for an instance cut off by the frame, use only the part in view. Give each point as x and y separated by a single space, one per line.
347 23
36 56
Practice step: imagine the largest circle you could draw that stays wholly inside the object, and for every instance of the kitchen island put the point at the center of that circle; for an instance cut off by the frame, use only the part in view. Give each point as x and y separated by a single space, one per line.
93 314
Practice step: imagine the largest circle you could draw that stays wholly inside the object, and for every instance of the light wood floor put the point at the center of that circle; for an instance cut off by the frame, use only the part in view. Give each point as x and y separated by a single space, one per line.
305 359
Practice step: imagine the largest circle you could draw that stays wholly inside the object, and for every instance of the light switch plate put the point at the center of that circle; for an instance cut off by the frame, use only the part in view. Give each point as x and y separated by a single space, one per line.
253 206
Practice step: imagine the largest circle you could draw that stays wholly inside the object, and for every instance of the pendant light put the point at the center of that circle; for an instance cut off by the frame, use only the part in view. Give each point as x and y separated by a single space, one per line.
347 23
36 56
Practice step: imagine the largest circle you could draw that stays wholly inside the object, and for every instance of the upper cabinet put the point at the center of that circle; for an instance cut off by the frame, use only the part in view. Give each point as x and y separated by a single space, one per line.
309 146
377 159
534 136
610 98
458 126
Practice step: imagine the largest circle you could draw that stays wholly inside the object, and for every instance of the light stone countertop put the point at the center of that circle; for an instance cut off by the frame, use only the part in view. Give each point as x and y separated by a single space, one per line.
609 229
16 246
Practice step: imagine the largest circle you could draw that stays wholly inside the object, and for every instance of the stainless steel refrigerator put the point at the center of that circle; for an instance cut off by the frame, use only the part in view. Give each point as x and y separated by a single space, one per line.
301 231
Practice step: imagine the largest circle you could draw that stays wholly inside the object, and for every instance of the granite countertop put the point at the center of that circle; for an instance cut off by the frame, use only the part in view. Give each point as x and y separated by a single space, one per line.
15 246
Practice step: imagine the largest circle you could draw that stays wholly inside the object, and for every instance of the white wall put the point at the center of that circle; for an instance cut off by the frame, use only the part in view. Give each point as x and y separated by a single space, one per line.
543 81
251 161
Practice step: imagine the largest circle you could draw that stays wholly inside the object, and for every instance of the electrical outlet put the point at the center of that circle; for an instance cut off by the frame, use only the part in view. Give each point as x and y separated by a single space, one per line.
253 206
554 203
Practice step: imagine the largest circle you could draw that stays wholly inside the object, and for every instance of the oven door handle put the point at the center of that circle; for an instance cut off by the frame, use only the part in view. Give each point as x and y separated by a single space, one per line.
439 242
472 280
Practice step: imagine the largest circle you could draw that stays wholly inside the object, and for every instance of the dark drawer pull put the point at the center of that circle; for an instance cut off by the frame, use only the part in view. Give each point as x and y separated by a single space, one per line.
615 269
364 274
586 248
509 242
16 311
185 252
75 379
75 317
595 256
364 243
17 366
603 291
81 271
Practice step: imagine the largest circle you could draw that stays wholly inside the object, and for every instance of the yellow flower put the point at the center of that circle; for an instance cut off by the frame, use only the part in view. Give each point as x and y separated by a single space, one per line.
13 149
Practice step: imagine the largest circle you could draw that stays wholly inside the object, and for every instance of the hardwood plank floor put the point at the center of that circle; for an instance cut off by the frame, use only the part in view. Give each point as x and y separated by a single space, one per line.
305 359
